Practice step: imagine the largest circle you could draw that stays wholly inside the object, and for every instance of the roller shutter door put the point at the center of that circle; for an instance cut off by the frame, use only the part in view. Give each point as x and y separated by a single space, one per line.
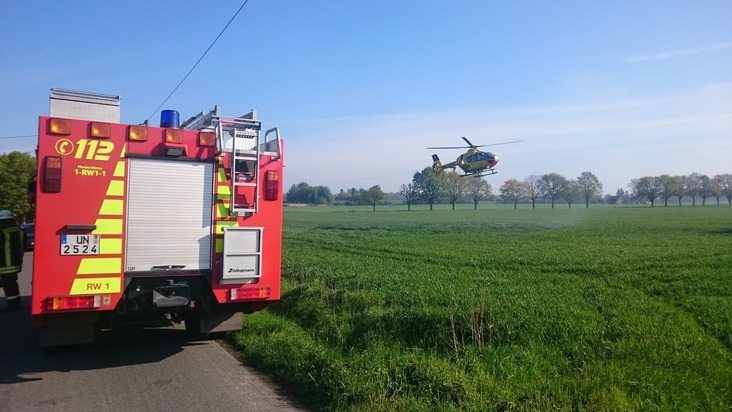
169 208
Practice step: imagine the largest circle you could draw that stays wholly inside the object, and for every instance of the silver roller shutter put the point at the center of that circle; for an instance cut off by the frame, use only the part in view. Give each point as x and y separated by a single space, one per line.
169 208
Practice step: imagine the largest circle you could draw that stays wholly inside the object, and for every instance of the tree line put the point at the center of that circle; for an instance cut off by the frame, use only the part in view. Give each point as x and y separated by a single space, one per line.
695 185
429 187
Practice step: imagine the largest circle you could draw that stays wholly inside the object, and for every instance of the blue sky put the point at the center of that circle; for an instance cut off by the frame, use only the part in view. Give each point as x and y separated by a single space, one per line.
359 89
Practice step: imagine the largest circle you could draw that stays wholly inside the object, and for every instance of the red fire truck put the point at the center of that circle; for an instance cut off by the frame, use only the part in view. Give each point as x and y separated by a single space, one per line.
136 224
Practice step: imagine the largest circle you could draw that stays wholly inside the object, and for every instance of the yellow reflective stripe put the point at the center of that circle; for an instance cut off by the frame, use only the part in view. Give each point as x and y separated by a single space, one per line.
219 245
90 266
221 225
222 210
109 246
108 227
221 176
116 188
111 207
7 251
119 171
93 286
223 192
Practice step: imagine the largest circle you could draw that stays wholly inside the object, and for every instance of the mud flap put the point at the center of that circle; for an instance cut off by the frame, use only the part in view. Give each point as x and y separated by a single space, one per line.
199 325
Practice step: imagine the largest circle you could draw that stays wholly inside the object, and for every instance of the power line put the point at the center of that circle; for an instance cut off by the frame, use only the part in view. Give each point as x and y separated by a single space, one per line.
199 60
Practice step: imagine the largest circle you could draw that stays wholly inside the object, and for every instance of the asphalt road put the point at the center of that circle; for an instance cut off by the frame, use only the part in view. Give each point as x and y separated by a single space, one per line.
151 369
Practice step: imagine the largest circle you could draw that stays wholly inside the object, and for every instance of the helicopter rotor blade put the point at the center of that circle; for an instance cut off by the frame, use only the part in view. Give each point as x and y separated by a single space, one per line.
473 146
468 142
450 147
498 144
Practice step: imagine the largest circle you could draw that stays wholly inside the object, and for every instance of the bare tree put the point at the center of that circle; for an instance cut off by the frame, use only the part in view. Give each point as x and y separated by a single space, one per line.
456 187
693 186
571 191
648 186
478 189
551 186
669 187
533 189
589 186
725 186
513 190
707 188
679 187
409 191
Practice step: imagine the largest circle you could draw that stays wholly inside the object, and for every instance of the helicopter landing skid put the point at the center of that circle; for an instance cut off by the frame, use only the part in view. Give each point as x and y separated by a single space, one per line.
481 174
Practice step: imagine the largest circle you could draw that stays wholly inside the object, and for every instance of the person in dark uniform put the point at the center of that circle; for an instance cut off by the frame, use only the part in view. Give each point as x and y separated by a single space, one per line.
11 259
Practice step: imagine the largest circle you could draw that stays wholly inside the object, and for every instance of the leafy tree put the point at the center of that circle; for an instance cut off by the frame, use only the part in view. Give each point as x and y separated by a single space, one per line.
589 186
372 196
344 196
430 185
551 186
725 186
455 188
304 193
649 187
572 191
533 189
16 170
513 190
478 189
409 192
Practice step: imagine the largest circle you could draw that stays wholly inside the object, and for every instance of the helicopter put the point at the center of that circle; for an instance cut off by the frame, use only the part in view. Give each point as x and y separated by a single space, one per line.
474 162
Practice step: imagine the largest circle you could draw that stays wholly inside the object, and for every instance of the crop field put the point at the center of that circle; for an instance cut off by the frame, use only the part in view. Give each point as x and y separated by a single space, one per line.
606 308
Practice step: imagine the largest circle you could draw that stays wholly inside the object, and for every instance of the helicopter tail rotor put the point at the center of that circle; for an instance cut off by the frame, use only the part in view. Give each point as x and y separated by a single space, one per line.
437 165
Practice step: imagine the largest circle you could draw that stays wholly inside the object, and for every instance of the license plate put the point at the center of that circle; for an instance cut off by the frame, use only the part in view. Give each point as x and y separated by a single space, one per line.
79 244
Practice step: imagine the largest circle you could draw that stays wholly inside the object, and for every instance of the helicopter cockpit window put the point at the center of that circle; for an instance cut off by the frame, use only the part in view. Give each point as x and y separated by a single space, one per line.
477 157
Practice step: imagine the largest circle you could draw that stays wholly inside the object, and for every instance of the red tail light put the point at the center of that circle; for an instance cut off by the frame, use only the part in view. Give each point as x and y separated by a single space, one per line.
262 292
271 185
73 302
52 174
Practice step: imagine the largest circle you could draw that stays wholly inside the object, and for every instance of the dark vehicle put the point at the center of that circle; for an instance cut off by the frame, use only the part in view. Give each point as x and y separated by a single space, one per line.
29 229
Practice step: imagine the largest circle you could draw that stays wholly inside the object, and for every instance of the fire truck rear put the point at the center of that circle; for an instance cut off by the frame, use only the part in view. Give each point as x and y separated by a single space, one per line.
137 224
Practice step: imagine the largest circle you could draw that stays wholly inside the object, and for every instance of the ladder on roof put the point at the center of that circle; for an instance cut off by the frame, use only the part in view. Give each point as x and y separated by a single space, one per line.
240 137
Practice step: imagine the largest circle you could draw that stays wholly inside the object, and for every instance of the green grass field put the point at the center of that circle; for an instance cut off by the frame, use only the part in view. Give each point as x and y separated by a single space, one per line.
606 308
